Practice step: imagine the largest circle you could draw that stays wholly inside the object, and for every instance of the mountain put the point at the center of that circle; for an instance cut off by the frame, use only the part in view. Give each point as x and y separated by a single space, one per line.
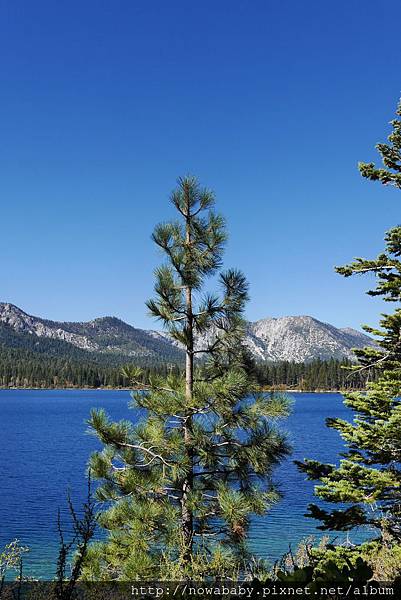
106 339
111 341
302 339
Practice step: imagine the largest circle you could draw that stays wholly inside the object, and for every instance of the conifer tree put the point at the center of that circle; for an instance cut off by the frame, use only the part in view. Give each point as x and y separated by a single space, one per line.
181 483
369 475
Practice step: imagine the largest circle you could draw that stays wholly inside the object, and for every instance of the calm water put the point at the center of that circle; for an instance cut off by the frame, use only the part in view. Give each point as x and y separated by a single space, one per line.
44 448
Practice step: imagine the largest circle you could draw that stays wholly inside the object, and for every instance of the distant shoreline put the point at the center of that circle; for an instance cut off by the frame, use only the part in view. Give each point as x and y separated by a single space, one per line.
131 389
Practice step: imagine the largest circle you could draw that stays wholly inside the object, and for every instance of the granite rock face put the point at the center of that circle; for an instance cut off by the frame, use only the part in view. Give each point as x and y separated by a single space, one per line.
301 339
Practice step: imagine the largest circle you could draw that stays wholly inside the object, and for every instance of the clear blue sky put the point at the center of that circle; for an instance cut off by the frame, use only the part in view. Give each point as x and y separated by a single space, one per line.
272 104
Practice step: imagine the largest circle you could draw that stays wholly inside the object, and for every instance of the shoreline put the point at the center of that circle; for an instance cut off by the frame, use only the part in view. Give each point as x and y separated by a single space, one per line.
132 389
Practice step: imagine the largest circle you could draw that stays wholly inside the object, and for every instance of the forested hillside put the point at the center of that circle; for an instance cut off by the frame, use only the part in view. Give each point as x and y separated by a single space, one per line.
30 369
30 361
21 368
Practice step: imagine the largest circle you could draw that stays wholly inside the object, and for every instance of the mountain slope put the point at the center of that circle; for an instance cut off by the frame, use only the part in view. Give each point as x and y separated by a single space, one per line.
104 337
302 339
110 340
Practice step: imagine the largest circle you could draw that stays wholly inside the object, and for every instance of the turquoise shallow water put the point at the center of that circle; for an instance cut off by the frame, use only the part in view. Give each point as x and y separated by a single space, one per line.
44 449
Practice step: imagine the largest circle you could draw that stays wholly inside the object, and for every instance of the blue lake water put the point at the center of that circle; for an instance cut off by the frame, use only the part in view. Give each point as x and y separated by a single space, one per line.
44 449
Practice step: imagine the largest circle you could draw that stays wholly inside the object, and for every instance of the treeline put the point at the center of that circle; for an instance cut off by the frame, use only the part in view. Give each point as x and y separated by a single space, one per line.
315 375
23 368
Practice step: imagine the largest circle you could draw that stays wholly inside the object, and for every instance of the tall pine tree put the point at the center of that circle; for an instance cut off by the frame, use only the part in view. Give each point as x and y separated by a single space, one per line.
181 482
369 475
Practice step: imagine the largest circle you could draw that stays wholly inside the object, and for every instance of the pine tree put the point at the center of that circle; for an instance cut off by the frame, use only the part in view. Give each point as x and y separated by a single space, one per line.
369 475
182 483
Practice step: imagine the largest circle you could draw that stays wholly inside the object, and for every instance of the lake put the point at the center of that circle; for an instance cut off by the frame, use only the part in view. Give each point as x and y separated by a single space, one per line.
44 449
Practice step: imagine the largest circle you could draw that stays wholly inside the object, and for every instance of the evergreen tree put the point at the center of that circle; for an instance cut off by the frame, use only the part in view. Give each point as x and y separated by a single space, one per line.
181 484
369 475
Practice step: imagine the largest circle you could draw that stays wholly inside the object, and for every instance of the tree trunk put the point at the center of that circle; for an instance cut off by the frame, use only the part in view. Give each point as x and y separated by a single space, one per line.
186 512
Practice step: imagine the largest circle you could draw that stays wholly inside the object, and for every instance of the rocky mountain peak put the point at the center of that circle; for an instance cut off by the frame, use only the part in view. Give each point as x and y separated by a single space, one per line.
302 338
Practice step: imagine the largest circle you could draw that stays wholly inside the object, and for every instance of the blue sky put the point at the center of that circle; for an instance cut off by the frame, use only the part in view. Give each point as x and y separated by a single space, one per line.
271 104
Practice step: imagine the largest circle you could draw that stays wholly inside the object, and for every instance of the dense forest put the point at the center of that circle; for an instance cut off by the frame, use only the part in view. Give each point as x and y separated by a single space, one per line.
24 368
315 375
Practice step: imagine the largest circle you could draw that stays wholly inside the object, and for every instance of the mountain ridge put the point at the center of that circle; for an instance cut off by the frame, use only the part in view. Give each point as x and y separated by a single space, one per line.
293 338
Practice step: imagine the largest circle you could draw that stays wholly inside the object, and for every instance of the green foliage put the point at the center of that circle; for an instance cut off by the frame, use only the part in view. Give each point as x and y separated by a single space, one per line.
375 560
180 484
317 566
314 375
338 569
391 156
369 474
23 368
384 559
